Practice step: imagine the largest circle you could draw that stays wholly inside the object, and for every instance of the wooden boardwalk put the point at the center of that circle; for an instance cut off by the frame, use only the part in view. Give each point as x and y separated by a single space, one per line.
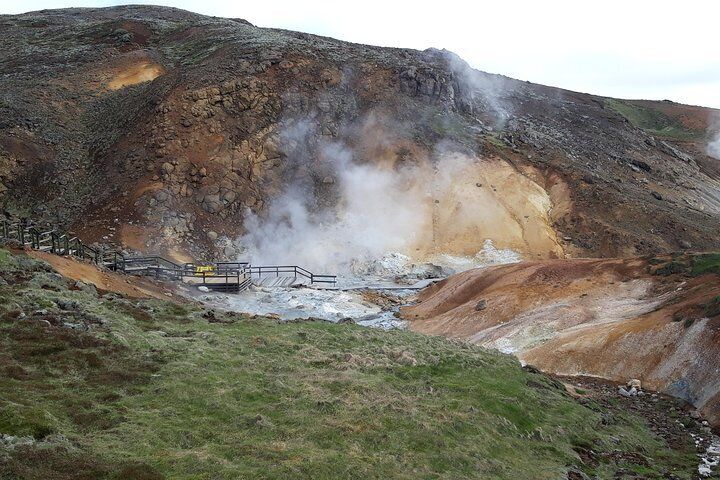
220 276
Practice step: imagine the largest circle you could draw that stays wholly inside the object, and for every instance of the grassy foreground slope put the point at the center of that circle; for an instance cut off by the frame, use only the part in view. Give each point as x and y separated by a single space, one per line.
94 385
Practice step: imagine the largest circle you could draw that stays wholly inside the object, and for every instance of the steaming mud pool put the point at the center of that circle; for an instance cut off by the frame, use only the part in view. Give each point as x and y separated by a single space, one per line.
307 302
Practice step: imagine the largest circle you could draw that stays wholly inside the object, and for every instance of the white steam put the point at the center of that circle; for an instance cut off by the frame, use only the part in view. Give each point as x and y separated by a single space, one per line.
381 209
713 148
383 205
491 91
376 214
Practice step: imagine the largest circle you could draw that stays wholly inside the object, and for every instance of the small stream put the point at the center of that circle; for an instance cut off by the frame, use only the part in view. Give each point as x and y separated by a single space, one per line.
710 458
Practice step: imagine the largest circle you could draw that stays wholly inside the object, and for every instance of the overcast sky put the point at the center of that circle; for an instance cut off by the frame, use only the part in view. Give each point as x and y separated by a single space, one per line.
628 49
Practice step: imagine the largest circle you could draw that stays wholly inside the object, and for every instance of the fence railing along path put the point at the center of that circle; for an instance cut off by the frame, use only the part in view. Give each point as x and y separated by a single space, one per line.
222 276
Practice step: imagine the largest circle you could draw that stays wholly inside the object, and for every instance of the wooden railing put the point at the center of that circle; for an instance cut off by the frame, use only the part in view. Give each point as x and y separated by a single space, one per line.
296 271
237 276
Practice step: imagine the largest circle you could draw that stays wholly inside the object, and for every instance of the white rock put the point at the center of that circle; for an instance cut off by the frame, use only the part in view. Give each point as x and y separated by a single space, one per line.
203 288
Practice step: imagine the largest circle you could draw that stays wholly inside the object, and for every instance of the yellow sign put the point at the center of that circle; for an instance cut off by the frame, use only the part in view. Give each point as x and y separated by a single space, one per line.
204 269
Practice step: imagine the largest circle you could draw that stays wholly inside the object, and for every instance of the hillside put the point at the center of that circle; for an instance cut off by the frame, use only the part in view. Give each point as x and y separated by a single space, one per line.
167 131
145 130
97 385
652 318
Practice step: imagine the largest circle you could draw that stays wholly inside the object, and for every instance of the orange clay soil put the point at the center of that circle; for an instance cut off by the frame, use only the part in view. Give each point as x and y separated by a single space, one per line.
130 286
143 71
609 318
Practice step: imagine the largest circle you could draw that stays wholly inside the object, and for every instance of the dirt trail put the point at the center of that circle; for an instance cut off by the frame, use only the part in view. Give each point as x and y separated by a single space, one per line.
610 318
134 287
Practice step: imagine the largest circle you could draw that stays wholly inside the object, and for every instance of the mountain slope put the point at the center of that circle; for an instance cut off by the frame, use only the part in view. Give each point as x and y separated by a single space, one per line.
164 125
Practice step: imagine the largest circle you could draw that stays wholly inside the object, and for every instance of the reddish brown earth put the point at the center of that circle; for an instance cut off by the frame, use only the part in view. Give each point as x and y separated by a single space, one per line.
689 116
133 287
612 318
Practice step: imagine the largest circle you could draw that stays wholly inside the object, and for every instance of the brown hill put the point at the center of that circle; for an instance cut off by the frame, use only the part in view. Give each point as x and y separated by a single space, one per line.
158 125
654 319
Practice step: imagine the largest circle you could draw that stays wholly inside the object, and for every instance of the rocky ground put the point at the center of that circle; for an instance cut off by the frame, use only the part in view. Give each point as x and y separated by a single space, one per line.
163 131
159 129
668 417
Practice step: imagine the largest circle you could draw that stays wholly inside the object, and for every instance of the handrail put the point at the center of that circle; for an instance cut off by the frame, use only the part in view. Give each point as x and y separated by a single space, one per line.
64 243
294 269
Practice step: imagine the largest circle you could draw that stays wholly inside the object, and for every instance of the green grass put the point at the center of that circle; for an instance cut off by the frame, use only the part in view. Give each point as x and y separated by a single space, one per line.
450 126
493 139
706 263
652 121
155 391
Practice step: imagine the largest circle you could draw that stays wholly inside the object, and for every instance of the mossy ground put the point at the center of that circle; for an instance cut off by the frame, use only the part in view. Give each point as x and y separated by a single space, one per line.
652 121
693 264
151 389
706 263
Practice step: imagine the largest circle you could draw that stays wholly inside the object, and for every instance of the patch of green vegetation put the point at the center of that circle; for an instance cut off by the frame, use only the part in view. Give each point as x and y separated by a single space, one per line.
21 420
433 124
446 126
652 121
496 141
191 51
705 263
671 268
151 389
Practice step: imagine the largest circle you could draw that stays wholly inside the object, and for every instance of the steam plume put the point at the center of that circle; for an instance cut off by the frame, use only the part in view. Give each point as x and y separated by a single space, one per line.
381 208
713 148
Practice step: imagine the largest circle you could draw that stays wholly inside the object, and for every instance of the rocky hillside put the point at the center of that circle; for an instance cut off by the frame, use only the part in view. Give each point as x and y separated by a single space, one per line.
162 126
653 319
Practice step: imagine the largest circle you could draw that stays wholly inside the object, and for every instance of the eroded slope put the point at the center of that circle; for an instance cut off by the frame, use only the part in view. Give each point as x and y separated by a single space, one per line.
655 319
